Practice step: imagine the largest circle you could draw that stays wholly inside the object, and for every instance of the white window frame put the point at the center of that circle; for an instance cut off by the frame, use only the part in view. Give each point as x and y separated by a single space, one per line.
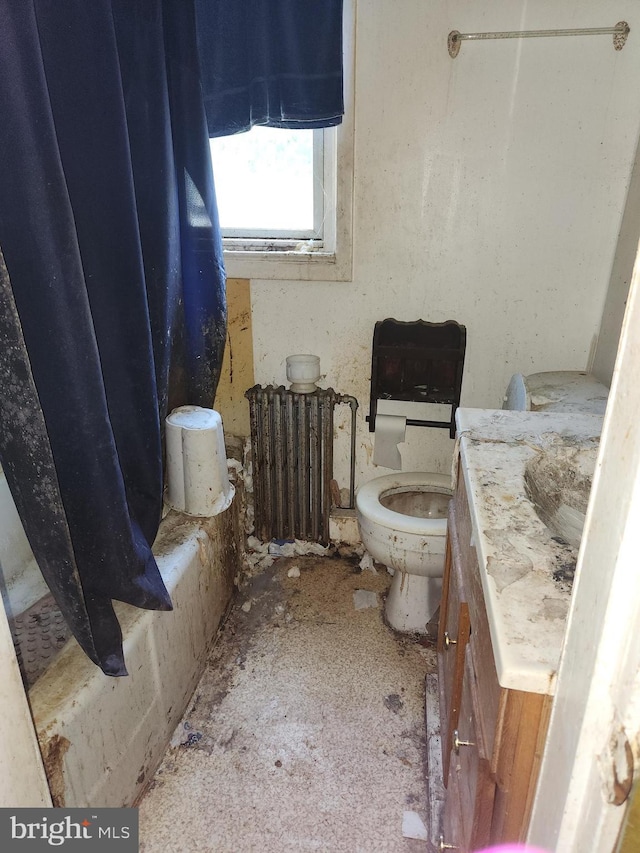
330 259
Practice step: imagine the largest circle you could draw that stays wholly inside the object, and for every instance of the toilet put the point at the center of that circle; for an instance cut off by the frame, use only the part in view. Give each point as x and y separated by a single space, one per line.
403 524
402 518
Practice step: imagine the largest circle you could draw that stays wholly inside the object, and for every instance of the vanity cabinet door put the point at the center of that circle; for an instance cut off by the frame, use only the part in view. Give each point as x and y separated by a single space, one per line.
469 759
470 789
510 725
452 835
453 637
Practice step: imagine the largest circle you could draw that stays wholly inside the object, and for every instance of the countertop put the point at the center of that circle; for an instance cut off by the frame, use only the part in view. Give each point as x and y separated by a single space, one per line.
526 606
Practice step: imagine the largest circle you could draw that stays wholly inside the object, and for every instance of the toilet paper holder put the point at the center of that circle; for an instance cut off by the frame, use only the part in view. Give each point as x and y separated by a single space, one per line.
417 361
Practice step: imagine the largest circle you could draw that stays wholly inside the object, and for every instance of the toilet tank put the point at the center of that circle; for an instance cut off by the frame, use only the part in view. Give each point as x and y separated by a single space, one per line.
556 391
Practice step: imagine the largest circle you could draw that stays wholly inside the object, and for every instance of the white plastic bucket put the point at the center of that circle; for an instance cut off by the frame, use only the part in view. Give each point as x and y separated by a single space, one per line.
197 474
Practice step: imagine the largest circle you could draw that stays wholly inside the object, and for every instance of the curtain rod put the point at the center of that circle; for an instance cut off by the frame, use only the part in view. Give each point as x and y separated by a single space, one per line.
619 33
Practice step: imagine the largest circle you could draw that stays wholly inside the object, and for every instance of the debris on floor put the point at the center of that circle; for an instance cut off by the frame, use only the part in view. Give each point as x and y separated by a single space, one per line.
367 564
307 730
413 827
262 555
294 572
185 736
394 703
284 549
364 598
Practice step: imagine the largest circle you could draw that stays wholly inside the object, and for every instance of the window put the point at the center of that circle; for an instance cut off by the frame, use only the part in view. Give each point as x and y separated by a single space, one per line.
298 226
270 187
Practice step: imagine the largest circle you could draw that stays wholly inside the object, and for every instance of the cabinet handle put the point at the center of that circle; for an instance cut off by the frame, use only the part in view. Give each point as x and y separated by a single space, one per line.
457 743
448 641
442 846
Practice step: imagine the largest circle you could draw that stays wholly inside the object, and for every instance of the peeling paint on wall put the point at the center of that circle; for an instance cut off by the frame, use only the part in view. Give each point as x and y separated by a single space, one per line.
237 366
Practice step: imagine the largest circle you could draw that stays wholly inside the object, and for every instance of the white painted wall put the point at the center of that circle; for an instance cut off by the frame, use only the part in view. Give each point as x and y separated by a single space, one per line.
488 189
596 712
604 356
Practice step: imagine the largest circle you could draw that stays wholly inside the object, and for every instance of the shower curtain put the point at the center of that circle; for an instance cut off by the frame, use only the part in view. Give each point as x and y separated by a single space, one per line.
112 284
112 296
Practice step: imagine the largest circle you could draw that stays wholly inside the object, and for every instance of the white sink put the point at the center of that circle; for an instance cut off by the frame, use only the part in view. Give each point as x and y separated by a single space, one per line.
558 483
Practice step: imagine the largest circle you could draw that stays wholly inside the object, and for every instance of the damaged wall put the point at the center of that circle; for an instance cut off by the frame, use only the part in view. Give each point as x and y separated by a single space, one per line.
237 366
488 189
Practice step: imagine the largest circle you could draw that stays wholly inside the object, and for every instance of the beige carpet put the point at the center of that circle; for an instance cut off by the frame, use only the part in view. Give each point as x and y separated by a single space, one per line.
307 730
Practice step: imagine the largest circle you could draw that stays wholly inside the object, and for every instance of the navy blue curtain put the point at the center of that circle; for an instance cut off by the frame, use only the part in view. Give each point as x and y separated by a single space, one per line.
271 62
112 296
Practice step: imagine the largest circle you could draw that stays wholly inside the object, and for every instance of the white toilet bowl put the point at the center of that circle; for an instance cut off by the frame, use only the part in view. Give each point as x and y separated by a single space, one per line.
403 524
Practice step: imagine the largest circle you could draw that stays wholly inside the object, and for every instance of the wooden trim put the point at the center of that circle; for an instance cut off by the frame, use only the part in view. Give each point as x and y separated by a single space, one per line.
541 739
525 721
446 581
464 629
509 725
489 690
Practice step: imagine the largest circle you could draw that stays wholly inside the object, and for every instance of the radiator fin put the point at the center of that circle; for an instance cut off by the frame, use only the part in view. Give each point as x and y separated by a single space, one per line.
292 443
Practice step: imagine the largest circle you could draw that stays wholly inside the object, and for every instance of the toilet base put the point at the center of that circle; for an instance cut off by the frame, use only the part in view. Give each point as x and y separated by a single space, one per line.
412 601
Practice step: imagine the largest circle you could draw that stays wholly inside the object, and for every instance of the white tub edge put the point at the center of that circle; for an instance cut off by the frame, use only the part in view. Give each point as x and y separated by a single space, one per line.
102 738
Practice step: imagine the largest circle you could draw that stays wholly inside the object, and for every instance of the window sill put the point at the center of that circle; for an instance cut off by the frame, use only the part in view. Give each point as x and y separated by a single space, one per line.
287 265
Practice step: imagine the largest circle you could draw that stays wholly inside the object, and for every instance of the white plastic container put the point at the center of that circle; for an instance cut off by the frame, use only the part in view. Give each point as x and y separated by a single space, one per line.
303 372
197 474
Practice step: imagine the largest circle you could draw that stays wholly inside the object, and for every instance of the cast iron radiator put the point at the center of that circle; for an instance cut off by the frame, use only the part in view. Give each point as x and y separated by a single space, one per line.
292 444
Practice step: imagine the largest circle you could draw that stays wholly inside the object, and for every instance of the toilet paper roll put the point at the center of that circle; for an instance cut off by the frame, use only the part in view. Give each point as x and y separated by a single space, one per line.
390 431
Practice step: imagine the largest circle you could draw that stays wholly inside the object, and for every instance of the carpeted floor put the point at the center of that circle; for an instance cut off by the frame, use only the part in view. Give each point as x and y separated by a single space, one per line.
307 730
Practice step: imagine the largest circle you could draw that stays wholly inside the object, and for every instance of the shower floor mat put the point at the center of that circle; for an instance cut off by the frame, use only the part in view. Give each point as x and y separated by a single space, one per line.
39 633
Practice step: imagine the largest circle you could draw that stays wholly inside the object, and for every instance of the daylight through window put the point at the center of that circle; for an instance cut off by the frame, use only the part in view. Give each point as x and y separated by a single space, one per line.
269 184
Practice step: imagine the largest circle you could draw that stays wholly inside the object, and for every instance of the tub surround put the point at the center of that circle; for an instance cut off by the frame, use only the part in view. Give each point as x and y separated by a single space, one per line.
517 555
103 739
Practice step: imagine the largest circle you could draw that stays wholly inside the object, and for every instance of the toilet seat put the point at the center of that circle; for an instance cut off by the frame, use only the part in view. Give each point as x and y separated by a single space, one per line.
368 501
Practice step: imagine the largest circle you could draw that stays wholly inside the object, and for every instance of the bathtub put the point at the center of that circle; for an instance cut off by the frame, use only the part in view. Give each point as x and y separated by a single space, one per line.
102 738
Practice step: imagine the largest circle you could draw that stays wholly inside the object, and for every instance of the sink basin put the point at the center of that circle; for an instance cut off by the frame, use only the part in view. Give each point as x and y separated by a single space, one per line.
558 483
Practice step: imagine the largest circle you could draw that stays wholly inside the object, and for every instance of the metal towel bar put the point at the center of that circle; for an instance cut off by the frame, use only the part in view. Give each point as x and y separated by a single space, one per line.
619 33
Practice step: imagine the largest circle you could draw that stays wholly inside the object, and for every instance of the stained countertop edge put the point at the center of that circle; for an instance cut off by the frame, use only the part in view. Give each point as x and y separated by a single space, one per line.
526 646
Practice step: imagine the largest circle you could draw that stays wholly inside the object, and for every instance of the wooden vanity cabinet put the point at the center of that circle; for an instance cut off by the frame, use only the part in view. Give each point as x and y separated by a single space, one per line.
470 793
492 737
